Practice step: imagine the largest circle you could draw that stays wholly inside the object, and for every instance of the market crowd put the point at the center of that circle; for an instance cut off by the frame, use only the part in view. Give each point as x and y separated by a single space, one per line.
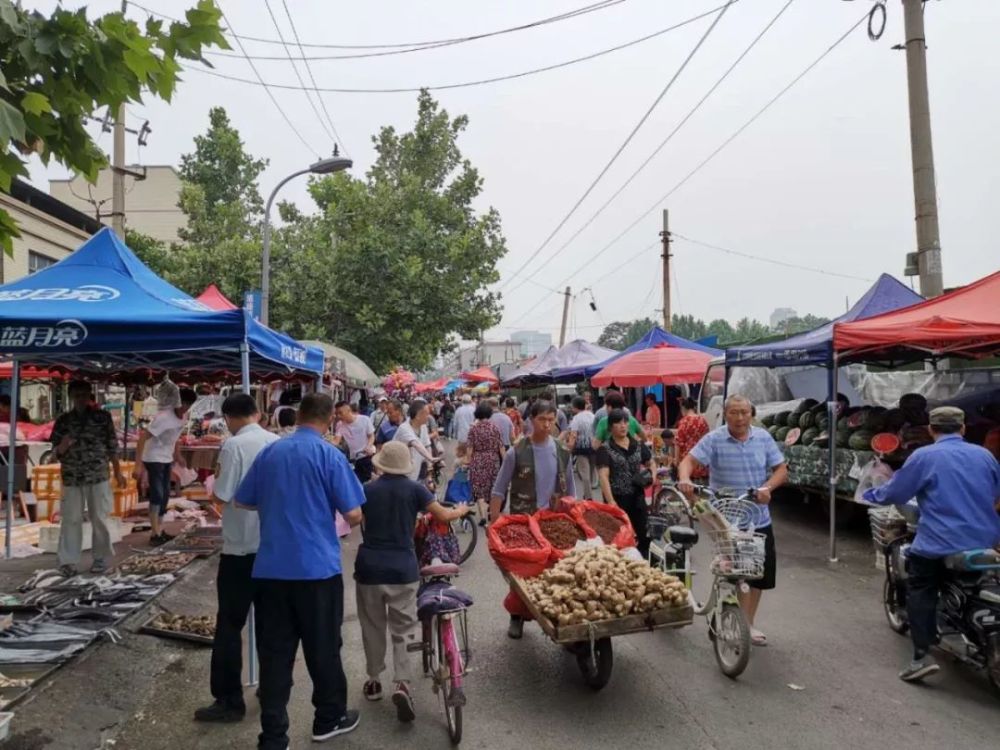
290 483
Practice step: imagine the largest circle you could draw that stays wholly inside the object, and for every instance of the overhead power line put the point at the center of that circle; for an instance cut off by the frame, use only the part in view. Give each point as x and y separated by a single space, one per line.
270 94
426 44
288 52
464 84
670 135
312 78
624 144
772 261
659 201
585 263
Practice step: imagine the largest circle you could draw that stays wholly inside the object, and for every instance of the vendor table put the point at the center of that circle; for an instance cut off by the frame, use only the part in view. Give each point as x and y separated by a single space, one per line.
200 456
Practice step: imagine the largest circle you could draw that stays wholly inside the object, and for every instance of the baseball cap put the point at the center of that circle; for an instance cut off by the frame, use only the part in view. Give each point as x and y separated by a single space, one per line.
947 416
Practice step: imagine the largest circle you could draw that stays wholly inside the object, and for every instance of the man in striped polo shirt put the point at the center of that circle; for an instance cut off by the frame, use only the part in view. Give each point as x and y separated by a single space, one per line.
739 457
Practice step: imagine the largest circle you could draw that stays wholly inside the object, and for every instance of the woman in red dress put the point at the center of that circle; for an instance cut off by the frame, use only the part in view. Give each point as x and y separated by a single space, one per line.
485 452
691 428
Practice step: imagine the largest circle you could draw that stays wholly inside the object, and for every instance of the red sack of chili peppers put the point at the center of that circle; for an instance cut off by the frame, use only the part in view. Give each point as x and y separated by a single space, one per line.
517 545
606 521
561 531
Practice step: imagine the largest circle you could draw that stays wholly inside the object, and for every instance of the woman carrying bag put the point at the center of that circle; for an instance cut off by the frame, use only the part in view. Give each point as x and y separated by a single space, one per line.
625 468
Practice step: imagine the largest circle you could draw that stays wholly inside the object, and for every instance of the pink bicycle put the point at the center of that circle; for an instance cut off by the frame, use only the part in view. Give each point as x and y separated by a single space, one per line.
442 611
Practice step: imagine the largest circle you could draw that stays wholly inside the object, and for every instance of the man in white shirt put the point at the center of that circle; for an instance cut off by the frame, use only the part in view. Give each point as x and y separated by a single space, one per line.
578 439
157 449
358 433
240 539
465 415
413 434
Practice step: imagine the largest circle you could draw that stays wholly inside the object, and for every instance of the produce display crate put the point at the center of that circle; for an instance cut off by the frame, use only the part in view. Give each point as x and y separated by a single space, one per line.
671 617
809 467
150 629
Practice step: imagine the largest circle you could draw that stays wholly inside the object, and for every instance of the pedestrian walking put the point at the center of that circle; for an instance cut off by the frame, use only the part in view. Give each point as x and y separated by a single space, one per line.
579 440
465 416
651 416
502 422
85 443
240 539
297 485
358 434
485 452
739 456
514 414
158 450
394 414
956 485
625 467
691 428
387 575
413 433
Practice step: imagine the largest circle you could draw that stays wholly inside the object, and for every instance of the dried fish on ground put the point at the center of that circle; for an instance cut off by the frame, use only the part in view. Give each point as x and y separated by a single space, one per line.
203 625
155 564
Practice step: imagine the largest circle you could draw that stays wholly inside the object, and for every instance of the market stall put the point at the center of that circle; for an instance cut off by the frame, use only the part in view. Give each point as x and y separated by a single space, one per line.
528 373
815 348
576 357
481 375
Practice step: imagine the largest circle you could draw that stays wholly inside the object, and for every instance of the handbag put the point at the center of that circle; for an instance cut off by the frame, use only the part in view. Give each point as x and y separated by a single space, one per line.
642 479
459 488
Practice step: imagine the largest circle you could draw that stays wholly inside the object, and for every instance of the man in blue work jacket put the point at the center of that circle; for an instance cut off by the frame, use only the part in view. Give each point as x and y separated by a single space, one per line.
956 485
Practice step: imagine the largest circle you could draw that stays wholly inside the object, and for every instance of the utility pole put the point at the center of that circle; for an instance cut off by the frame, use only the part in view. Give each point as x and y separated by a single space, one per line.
562 330
924 188
665 236
118 167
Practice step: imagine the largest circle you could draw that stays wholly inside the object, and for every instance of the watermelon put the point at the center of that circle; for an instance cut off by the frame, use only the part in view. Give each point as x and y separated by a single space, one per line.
875 421
820 408
767 421
894 420
793 419
809 436
773 430
793 435
842 438
861 440
807 420
858 419
885 443
822 439
781 434
809 404
823 421
781 418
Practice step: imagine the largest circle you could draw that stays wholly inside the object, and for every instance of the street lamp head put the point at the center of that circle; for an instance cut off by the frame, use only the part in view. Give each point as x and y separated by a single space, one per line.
331 165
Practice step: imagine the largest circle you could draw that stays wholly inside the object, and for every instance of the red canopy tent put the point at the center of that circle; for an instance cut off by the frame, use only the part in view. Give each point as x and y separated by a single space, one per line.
432 386
962 323
214 299
482 375
669 365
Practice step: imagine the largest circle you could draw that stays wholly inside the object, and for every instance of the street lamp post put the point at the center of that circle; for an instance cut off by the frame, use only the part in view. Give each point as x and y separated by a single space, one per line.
323 166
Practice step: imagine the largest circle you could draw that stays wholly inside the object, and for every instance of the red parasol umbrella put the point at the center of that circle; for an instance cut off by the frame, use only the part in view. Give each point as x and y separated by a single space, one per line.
664 364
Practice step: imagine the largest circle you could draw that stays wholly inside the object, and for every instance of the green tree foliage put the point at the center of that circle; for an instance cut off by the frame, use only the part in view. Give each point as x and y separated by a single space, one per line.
57 70
798 325
621 335
396 262
152 252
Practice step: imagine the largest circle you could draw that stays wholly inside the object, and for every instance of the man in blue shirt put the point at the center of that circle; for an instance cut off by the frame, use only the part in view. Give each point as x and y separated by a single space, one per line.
739 457
956 484
296 485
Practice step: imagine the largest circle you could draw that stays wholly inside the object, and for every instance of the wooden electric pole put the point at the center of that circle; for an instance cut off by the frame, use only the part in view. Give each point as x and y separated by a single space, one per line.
565 319
665 236
924 188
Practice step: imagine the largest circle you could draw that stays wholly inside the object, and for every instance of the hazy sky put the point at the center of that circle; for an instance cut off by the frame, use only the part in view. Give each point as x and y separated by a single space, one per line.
822 179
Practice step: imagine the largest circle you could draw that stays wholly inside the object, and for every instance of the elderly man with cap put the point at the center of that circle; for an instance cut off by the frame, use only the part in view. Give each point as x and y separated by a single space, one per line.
386 570
956 484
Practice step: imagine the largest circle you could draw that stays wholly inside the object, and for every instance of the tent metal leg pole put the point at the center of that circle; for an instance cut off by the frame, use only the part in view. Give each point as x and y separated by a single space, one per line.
15 392
251 619
832 411
127 412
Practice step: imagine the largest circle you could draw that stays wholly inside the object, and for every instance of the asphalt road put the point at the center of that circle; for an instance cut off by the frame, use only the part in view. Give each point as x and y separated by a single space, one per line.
827 679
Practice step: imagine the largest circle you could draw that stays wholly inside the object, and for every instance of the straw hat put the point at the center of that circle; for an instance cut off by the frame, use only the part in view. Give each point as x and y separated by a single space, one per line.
394 458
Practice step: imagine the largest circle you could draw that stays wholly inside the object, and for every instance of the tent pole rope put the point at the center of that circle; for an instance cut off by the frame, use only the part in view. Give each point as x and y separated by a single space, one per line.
15 392
832 431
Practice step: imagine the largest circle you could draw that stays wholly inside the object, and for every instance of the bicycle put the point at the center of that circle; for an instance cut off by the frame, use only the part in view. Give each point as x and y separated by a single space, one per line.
466 531
738 557
442 611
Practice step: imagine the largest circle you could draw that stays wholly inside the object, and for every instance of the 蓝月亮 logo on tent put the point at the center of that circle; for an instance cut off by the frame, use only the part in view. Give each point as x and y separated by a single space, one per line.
65 333
85 293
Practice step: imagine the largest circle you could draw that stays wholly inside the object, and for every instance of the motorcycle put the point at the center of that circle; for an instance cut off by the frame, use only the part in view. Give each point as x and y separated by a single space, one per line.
969 603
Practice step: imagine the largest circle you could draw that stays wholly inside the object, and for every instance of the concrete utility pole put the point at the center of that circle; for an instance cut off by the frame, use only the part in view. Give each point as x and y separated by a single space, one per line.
924 188
562 330
118 175
665 236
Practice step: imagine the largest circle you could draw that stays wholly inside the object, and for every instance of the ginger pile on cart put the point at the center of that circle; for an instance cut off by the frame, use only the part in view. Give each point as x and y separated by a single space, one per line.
600 583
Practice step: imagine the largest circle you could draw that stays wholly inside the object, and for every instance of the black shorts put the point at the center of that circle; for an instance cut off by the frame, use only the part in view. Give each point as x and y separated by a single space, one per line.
770 562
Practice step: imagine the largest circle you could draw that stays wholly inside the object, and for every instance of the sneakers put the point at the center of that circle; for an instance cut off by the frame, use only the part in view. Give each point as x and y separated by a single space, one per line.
162 538
348 723
919 669
221 713
516 628
99 566
403 701
67 571
372 690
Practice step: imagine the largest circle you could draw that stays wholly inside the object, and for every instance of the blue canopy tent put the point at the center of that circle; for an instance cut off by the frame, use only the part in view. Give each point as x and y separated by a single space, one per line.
654 337
815 348
101 311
